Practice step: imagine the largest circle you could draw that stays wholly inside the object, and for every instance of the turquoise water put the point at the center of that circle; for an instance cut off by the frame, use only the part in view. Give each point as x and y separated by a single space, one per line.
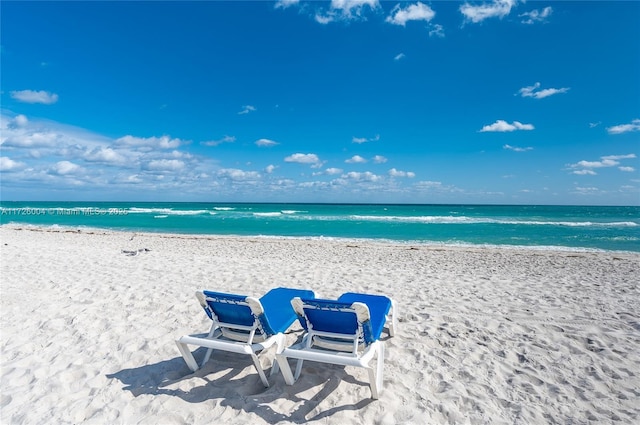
574 227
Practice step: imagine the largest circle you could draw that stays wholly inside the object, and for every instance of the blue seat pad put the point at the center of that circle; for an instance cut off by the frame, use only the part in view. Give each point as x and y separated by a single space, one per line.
278 312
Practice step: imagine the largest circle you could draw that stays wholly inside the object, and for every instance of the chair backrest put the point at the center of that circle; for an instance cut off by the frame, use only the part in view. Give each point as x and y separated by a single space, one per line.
229 309
330 316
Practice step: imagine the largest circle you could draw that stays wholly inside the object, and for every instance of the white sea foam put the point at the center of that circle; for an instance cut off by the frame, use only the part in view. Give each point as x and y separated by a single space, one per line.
167 211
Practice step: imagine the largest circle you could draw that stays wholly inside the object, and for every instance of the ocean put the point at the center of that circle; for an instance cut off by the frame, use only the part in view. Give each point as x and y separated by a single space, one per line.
565 227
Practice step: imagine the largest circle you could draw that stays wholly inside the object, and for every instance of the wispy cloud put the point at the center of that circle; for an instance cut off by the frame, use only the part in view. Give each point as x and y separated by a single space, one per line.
225 139
587 167
31 96
149 143
360 140
345 10
379 159
517 149
246 109
436 30
495 9
414 12
503 126
266 143
532 91
399 56
238 175
283 4
625 128
536 15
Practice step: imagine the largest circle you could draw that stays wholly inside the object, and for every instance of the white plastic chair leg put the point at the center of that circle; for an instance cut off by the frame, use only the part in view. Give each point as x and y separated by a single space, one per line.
258 366
285 369
187 356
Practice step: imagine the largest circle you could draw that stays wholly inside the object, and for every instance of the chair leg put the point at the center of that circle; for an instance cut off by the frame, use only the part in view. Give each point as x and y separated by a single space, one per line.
283 362
373 383
376 373
298 369
187 356
380 360
275 366
258 366
207 356
394 319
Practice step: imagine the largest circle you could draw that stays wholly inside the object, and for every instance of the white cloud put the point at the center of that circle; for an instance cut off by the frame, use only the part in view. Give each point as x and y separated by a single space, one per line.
29 139
65 167
495 9
7 164
270 169
625 128
236 174
397 173
436 30
503 126
360 140
333 171
428 185
379 159
399 56
31 96
323 19
356 159
367 176
584 172
20 121
350 7
246 109
303 158
414 12
516 149
283 4
532 91
586 167
148 143
627 169
225 139
165 165
345 10
105 155
266 143
536 15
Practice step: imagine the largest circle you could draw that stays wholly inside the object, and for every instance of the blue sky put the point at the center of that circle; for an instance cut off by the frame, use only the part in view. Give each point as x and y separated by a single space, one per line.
503 101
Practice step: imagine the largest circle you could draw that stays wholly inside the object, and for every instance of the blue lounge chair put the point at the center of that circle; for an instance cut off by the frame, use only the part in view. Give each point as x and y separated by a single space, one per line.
244 325
344 332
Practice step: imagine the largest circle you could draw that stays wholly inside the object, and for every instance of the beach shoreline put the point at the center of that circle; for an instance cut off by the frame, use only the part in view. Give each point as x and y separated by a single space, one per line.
486 334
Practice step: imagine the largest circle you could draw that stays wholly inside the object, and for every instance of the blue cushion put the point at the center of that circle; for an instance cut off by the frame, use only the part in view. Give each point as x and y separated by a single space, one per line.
278 313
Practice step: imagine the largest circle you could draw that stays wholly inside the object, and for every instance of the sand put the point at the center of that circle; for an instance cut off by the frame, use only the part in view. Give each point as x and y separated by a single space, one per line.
485 335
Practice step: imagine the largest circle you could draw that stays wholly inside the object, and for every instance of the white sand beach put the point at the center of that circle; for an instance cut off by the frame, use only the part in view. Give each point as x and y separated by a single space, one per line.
485 335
